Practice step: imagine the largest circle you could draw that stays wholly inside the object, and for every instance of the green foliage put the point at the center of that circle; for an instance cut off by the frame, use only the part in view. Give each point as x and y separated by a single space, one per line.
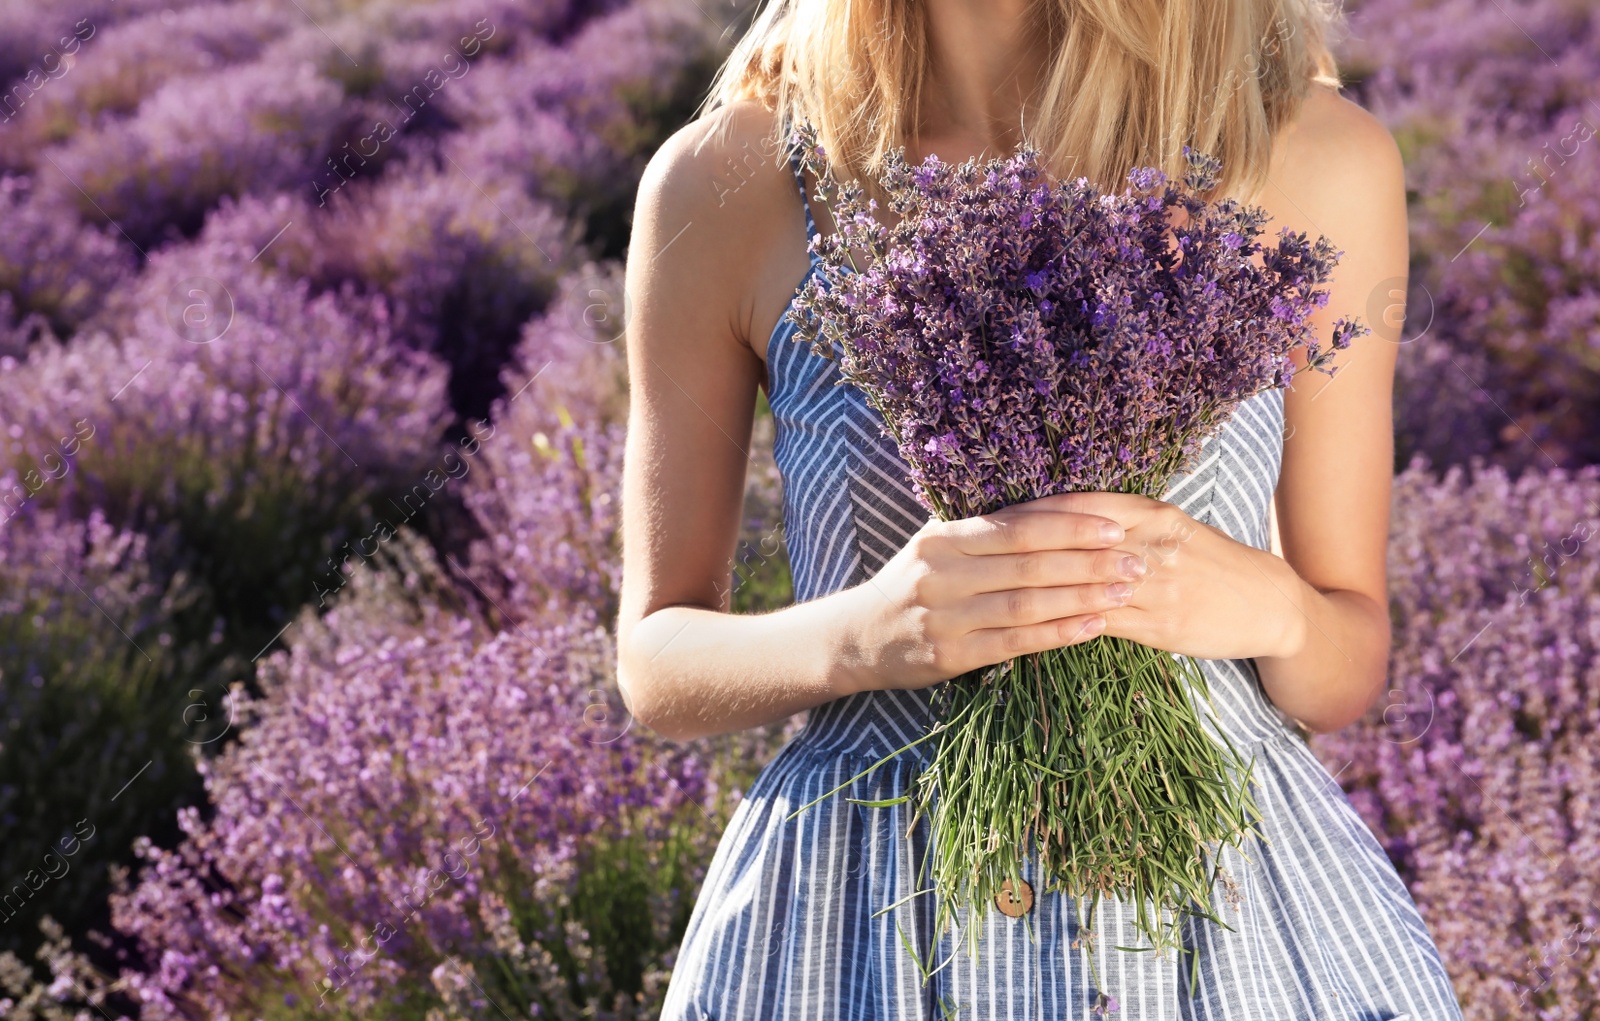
101 713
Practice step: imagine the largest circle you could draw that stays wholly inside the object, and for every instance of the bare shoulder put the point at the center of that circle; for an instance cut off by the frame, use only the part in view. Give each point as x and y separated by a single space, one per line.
718 219
702 163
1336 160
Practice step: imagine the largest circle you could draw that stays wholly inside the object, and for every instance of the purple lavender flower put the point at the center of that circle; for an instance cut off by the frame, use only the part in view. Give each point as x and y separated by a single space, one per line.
28 31
1059 322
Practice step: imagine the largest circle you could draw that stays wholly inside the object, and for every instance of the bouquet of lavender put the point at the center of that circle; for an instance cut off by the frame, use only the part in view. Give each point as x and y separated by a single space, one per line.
1024 337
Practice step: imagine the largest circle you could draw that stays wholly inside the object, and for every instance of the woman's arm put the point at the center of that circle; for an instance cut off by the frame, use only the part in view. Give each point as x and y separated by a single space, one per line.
687 667
1342 175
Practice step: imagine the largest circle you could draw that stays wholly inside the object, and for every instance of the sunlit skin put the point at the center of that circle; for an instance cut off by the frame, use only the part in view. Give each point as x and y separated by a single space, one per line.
717 251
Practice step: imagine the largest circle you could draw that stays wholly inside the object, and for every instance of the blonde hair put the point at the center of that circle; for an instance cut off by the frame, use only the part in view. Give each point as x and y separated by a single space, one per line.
1222 76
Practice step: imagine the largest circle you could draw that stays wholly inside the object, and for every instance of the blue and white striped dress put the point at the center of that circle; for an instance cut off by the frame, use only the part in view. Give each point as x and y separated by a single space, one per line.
789 925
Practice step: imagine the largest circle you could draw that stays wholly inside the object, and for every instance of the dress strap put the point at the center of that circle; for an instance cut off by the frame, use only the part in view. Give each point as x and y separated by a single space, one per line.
800 179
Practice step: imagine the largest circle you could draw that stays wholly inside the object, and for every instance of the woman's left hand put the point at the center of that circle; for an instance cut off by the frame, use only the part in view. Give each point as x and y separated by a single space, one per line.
1203 593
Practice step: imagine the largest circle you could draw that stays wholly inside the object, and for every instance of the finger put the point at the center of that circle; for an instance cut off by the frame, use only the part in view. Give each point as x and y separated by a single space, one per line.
1011 531
1138 625
996 645
1025 606
1047 569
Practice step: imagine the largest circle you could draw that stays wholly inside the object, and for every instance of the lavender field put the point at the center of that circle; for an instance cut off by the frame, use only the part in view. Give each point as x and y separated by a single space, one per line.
312 405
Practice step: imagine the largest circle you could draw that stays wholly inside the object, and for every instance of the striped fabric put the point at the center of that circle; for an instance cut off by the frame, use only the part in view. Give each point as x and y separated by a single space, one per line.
791 923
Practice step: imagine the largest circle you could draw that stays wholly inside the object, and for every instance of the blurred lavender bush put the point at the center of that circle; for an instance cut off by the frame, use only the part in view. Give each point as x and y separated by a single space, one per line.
27 31
262 127
268 315
418 821
548 508
397 743
131 59
54 273
1478 770
270 437
575 123
88 648
1495 108
461 264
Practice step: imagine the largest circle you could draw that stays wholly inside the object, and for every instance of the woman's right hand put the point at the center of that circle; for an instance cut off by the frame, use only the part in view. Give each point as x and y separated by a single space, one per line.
970 593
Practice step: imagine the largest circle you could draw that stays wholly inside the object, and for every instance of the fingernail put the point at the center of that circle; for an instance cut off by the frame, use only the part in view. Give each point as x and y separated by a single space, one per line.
1131 567
1092 627
1119 592
1110 531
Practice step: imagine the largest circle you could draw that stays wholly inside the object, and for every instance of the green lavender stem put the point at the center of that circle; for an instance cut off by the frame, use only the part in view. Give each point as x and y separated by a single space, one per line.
1092 756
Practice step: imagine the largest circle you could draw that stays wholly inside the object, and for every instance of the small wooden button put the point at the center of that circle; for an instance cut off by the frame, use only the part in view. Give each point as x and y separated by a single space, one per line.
1014 903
